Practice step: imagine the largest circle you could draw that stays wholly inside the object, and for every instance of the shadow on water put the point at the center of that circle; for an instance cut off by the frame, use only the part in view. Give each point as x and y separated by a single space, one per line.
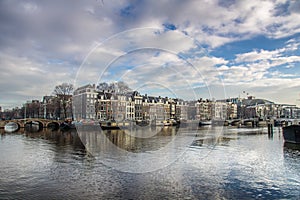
129 140
60 139
291 149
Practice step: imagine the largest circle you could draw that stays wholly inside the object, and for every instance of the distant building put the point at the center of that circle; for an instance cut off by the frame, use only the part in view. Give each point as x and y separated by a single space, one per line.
49 107
90 103
130 108
103 106
84 101
33 109
232 110
204 110
219 110
118 103
112 106
192 110
138 102
182 110
290 112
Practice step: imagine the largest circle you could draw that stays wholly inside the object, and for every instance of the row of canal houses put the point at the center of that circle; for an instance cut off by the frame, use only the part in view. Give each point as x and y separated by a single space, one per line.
90 103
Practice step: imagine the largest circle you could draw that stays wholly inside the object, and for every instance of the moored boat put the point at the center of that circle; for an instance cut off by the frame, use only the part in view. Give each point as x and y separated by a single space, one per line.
143 123
248 123
236 123
66 126
167 123
291 134
205 123
110 124
218 122
262 123
11 127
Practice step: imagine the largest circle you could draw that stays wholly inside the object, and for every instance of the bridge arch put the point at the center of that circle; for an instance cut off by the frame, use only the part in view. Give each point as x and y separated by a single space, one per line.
52 125
29 122
15 121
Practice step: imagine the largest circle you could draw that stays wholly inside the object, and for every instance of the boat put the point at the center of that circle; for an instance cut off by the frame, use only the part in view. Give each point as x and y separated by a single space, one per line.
249 123
218 122
262 123
108 125
291 134
11 127
167 123
124 124
66 126
205 123
174 122
143 123
236 123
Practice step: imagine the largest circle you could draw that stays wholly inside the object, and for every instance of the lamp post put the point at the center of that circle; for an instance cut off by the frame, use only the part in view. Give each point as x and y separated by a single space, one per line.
45 110
25 105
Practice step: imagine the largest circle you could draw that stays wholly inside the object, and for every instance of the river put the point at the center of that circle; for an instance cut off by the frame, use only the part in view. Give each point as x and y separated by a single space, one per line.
149 163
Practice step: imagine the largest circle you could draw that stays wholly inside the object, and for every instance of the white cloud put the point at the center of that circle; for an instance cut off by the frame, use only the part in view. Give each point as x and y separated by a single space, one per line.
44 43
22 79
257 55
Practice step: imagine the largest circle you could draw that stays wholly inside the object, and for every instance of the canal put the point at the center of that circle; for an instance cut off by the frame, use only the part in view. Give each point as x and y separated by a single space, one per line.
149 163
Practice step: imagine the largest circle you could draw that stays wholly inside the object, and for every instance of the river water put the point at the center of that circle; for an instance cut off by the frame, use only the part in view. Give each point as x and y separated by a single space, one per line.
149 163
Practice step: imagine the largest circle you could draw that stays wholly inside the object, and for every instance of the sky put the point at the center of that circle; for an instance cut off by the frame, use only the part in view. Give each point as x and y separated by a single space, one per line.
212 49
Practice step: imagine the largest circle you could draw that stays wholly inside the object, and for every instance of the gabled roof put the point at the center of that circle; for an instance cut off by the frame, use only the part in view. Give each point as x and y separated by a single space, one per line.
253 102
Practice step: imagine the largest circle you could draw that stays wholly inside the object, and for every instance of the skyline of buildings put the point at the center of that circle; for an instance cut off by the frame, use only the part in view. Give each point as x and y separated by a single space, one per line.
90 102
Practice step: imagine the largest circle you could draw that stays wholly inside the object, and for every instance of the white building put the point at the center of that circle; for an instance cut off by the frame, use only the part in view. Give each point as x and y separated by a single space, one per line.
130 108
219 110
204 110
84 100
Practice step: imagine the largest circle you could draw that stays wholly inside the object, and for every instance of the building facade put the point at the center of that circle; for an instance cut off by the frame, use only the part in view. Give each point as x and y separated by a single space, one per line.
84 101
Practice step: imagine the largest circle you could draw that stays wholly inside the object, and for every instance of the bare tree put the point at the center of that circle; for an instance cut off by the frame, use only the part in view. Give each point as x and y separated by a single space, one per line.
64 93
123 87
103 86
118 87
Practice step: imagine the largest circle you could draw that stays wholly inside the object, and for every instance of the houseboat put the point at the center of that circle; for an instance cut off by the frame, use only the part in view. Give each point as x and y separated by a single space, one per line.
291 134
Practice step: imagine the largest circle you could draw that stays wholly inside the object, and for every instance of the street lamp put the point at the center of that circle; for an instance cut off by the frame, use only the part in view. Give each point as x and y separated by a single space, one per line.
25 106
45 110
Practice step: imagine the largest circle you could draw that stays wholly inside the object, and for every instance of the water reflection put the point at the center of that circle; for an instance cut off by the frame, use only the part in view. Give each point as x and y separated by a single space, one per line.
129 151
133 142
229 164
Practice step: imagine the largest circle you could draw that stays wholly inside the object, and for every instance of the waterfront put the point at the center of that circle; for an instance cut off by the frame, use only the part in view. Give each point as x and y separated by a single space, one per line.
214 163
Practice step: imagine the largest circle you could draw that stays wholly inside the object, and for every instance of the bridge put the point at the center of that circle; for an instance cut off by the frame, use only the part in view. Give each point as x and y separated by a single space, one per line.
43 123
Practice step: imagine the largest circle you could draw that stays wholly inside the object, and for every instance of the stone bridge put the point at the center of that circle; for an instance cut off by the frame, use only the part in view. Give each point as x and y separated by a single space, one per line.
45 123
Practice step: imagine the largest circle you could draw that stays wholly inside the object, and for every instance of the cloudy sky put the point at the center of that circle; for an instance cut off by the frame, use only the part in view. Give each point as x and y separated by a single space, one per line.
186 49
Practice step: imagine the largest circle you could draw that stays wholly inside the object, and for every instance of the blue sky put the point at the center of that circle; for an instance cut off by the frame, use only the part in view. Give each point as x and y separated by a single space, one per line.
186 49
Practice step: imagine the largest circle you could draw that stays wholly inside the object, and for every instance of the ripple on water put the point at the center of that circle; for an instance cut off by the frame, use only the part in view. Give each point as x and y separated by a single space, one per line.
221 166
